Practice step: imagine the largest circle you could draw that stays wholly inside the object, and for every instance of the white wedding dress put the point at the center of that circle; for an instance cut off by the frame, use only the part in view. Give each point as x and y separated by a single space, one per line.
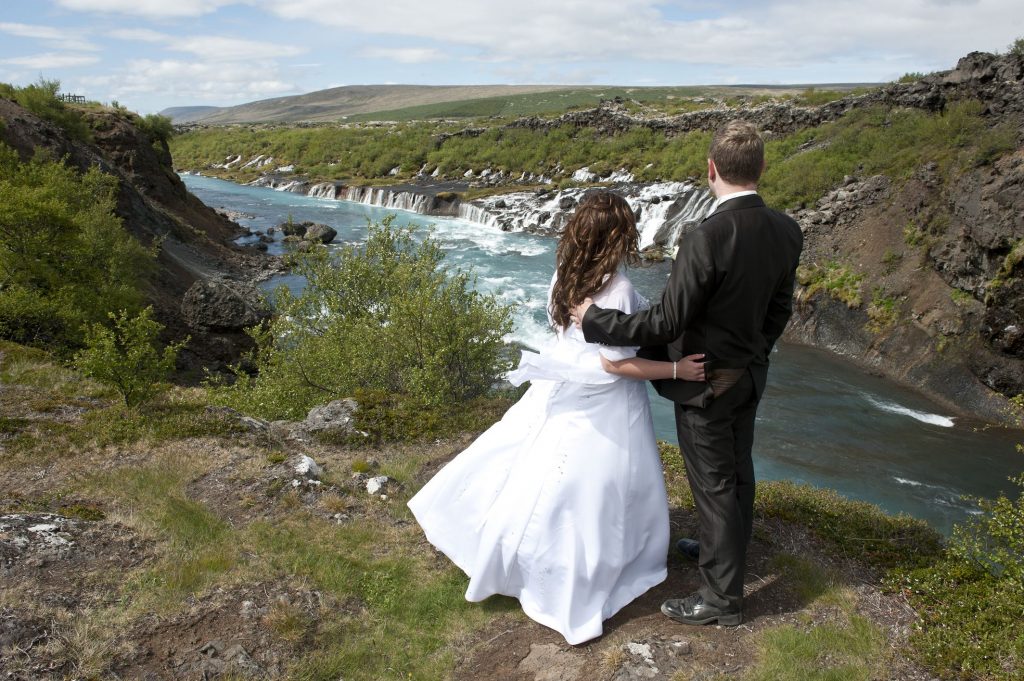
562 503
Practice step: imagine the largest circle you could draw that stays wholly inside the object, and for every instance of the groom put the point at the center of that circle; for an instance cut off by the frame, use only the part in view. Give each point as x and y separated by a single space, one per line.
728 297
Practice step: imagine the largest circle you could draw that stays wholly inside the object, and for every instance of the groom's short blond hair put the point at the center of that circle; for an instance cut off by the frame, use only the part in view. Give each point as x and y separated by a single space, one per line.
738 152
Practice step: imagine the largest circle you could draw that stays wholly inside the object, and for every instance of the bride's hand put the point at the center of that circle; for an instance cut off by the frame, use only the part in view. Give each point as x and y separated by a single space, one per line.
577 313
691 368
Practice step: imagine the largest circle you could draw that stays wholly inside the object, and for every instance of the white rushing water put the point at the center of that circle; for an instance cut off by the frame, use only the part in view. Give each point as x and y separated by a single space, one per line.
665 209
922 416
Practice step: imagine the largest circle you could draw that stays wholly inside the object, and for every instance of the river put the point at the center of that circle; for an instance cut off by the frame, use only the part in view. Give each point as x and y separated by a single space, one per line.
822 420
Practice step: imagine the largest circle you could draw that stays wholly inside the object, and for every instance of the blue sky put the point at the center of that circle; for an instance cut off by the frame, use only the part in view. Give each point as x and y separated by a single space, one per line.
153 54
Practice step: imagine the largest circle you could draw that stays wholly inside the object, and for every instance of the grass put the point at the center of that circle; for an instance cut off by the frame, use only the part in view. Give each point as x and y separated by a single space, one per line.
532 104
883 311
835 279
802 167
851 651
391 609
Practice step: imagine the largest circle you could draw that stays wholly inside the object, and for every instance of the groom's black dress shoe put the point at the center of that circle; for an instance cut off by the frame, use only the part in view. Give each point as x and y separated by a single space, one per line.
689 548
693 610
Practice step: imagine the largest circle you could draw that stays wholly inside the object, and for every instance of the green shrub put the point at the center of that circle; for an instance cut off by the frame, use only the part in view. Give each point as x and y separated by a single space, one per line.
158 128
385 316
29 318
41 99
1016 48
813 97
911 77
65 259
126 358
970 603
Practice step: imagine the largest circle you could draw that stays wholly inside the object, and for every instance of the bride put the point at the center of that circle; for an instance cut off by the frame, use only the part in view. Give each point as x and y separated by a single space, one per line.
562 503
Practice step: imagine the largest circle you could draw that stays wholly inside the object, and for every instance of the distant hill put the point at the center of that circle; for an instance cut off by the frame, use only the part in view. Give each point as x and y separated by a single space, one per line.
188 114
337 103
424 102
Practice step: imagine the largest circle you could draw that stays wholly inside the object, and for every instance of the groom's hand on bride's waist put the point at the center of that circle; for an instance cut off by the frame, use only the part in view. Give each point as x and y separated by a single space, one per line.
580 311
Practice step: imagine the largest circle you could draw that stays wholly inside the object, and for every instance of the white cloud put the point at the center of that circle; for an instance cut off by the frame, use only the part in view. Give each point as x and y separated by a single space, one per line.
404 55
182 82
214 47
54 37
148 8
142 35
222 48
51 60
759 36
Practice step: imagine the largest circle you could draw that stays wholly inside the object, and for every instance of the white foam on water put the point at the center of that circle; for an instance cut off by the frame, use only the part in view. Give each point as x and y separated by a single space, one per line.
530 332
489 239
904 481
922 416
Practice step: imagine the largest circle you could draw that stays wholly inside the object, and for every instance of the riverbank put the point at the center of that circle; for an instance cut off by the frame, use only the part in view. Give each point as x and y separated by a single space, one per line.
184 543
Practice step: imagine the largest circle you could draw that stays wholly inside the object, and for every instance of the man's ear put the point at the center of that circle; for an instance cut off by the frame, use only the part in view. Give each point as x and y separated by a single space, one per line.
712 171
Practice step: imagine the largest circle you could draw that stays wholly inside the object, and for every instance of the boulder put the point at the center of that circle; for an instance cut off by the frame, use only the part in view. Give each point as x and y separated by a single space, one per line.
334 417
306 467
321 233
223 306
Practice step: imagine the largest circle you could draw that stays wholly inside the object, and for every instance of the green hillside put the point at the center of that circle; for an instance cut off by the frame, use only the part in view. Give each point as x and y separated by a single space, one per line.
533 104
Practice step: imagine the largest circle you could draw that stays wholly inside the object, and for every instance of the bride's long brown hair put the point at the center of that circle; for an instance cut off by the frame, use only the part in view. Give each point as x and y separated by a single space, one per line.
599 237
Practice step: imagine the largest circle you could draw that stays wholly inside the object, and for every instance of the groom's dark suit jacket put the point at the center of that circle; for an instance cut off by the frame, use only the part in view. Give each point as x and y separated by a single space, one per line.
729 295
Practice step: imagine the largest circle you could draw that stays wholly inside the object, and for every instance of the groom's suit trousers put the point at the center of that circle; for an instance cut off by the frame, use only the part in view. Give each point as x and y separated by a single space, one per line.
716 443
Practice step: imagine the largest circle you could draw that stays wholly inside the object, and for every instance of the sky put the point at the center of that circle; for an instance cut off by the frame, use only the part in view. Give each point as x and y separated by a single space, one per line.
152 54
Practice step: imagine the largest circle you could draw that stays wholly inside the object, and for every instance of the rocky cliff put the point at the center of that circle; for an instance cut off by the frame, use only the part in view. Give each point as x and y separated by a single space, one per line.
936 259
194 242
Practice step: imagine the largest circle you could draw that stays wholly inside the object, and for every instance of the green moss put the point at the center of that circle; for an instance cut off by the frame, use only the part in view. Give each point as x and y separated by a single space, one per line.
883 311
960 298
834 278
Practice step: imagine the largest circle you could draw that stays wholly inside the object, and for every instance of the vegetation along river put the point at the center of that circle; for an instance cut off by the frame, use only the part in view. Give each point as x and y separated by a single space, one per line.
822 421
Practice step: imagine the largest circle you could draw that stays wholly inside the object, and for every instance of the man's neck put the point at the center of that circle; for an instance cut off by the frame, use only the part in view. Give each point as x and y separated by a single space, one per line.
724 189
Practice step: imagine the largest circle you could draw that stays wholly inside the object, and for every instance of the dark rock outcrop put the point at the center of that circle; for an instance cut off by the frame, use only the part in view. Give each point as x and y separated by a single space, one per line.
222 306
997 80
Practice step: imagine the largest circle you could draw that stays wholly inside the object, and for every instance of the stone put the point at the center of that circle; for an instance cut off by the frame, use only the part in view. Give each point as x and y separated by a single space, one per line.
223 306
320 233
335 417
376 484
307 467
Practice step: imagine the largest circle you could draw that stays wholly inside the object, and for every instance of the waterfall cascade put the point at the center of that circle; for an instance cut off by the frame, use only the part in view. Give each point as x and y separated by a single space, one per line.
664 210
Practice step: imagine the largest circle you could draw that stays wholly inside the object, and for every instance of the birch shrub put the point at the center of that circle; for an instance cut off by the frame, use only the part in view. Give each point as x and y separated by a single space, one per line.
384 316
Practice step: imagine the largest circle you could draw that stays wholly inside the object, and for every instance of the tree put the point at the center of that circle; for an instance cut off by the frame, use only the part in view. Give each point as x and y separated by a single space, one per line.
126 357
62 246
385 316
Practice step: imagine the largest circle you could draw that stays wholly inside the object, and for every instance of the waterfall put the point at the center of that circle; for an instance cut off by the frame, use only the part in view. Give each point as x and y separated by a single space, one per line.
665 210
388 198
474 213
